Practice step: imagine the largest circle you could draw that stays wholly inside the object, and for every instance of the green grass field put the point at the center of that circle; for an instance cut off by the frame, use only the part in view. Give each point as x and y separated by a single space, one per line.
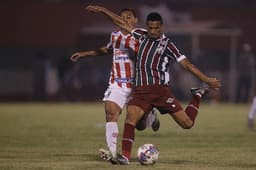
67 136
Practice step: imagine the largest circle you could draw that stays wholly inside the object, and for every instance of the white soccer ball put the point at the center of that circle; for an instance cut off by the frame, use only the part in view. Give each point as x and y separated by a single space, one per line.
147 154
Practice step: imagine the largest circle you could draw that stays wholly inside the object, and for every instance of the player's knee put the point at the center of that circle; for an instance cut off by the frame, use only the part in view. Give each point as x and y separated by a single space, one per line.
112 116
188 124
132 120
131 109
112 111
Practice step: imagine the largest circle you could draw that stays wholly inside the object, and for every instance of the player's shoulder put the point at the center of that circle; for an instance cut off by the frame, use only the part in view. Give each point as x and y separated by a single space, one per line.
168 39
139 30
165 37
115 32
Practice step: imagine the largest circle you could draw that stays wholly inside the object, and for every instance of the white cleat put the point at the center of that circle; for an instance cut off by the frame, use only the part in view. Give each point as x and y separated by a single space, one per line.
105 154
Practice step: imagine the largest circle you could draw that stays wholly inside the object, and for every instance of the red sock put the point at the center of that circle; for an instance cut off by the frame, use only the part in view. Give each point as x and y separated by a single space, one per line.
128 139
192 108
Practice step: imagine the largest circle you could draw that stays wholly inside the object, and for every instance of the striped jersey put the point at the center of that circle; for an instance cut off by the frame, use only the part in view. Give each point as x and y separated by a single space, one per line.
124 50
153 59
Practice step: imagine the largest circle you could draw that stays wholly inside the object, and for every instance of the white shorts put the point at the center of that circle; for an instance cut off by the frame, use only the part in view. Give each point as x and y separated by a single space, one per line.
117 95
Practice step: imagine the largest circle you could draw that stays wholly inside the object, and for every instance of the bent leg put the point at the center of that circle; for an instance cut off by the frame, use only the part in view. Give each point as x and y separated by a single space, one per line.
187 118
193 106
183 119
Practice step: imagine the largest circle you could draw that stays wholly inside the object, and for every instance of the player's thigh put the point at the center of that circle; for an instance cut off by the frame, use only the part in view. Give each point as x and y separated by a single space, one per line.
166 102
182 119
112 108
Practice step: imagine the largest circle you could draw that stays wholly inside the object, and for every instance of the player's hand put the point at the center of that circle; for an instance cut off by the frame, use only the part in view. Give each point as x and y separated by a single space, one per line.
94 8
214 83
75 56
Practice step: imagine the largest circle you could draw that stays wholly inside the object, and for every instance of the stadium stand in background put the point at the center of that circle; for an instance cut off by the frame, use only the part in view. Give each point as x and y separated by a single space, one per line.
38 38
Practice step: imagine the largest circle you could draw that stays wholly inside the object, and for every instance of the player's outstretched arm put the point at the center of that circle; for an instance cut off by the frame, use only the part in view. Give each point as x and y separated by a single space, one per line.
211 81
113 16
100 51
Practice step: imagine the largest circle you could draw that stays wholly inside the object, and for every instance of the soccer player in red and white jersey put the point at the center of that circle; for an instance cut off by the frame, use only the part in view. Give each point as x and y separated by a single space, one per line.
156 52
124 47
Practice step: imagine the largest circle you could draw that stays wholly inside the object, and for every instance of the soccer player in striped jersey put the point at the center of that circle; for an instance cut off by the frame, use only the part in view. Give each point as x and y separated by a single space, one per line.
124 48
156 51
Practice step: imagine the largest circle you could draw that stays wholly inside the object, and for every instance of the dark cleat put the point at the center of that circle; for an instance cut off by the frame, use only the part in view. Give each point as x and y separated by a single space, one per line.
200 91
122 160
141 125
114 161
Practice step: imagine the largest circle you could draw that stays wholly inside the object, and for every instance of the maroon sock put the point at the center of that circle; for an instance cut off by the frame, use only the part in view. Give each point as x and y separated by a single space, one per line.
128 139
193 107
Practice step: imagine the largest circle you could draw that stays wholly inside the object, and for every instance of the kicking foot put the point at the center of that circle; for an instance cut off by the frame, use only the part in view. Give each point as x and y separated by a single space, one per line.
200 91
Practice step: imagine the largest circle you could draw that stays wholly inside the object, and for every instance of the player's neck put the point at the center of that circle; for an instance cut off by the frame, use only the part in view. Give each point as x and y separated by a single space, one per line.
124 32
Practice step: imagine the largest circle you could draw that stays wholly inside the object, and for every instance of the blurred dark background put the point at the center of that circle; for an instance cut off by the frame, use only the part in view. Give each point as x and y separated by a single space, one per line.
37 37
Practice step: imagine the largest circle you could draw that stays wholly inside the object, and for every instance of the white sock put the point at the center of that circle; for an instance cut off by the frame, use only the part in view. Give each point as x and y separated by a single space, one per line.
253 109
111 137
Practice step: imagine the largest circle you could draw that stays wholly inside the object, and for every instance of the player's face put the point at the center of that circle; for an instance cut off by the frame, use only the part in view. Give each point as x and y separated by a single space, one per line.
154 29
129 18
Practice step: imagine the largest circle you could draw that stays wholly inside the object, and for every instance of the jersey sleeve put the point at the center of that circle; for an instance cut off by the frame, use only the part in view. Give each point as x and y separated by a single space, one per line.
174 52
138 32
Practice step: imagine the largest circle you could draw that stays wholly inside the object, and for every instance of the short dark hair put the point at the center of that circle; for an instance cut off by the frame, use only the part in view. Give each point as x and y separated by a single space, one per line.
154 16
129 9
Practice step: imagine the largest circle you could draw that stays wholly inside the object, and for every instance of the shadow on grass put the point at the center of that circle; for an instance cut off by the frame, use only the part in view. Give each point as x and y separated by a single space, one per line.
87 156
175 162
187 162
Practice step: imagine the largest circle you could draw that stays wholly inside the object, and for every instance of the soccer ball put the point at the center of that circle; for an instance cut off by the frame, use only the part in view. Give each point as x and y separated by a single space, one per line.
147 154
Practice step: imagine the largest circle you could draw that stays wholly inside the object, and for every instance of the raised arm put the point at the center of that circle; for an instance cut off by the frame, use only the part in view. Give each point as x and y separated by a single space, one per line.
100 51
113 16
211 81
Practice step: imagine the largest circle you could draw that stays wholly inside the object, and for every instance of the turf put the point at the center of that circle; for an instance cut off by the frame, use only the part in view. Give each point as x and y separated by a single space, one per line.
67 136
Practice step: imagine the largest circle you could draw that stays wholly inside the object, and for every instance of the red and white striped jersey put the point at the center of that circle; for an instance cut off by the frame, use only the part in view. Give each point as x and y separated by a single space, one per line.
124 49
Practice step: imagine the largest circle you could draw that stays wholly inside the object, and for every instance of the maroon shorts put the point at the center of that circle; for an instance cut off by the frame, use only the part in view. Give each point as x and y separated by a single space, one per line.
158 96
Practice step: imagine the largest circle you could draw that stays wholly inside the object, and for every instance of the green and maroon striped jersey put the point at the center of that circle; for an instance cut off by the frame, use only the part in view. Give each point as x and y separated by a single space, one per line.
153 59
